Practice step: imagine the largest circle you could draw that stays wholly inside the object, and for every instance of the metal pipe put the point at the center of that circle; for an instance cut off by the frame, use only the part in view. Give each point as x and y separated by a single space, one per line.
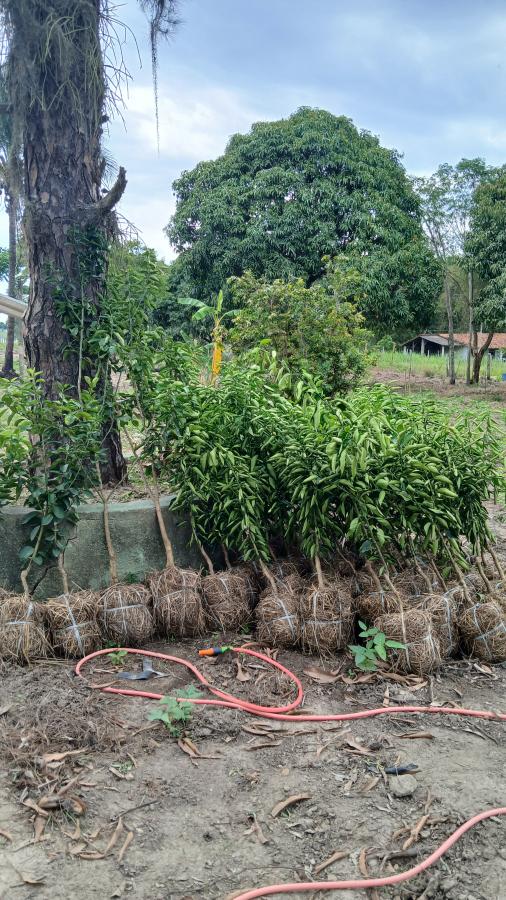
11 307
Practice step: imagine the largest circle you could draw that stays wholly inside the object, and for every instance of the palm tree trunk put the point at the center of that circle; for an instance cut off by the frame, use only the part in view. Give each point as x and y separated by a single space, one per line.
8 366
64 208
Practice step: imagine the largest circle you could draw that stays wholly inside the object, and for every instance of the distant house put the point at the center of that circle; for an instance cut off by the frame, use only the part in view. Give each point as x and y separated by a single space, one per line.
437 344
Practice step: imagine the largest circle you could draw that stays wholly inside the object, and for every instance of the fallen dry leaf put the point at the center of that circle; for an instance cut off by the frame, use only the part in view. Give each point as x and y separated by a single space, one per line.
114 837
339 854
360 679
91 854
5 834
256 829
58 757
5 709
354 747
414 735
38 828
56 801
128 840
242 674
290 801
27 878
362 862
31 804
123 776
321 676
262 745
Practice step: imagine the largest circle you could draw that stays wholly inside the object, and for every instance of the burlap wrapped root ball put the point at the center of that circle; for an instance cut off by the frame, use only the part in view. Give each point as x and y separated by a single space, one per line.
22 634
177 604
124 614
252 580
326 620
370 605
415 629
277 617
226 601
281 569
443 610
72 624
483 629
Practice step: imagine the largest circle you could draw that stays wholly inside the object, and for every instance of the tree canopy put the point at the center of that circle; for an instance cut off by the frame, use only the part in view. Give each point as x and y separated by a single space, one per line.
289 193
486 247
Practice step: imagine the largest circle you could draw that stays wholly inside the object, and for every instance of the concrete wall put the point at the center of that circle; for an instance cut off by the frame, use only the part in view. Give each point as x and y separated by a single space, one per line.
136 540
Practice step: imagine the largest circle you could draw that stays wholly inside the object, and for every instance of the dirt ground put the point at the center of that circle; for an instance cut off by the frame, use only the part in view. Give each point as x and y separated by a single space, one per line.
203 827
130 811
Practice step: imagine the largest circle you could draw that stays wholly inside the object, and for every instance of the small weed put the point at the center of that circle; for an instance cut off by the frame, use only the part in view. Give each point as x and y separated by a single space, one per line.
117 658
174 712
375 648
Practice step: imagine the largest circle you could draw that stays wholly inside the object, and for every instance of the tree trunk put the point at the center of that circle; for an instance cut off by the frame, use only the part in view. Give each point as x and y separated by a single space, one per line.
8 367
470 297
451 339
478 356
64 211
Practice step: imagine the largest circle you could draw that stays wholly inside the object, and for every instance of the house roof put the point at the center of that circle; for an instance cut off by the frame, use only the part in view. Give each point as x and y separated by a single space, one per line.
498 341
461 339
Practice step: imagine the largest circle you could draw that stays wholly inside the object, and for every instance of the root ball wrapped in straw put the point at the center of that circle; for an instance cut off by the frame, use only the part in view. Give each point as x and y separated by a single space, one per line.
177 604
326 620
72 623
226 601
22 634
483 628
124 614
277 617
443 612
415 629
252 580
369 606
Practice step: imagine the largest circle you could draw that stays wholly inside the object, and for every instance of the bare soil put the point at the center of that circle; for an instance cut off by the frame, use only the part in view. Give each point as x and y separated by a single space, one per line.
202 827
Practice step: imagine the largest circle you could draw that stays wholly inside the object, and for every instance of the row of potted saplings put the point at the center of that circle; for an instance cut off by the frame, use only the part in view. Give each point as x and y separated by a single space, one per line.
316 613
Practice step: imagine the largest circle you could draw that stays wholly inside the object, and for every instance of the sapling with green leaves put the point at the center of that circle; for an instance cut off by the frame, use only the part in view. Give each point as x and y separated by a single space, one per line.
375 647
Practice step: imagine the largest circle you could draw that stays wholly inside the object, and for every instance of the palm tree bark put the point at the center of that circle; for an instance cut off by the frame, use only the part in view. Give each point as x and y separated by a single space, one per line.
63 168
8 366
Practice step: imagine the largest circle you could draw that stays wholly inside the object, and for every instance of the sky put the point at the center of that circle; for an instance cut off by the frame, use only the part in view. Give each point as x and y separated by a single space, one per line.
429 78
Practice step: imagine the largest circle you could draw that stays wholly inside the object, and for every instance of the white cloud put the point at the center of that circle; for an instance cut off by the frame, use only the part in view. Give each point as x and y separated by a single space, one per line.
195 121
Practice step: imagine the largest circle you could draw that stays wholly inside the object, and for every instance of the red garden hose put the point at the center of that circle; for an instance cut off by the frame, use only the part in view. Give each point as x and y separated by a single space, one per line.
282 713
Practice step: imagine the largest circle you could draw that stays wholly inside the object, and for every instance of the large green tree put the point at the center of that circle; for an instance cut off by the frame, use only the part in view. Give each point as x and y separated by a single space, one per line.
486 248
446 200
291 192
61 88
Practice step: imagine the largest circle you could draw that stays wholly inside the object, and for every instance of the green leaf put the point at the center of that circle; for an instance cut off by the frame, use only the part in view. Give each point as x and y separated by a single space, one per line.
25 553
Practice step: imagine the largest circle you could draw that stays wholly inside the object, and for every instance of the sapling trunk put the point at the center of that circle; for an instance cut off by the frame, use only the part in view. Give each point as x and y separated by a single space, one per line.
319 573
205 556
369 568
111 553
268 574
483 577
63 574
458 572
497 563
154 493
423 575
438 574
226 557
347 561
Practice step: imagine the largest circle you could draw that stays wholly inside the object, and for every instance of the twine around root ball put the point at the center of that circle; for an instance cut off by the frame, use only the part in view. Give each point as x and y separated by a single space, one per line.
226 601
413 628
251 578
277 618
124 614
177 604
72 623
371 605
483 628
22 634
442 609
326 620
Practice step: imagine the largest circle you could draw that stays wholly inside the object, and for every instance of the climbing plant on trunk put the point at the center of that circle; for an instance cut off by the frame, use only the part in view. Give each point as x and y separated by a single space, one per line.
60 91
